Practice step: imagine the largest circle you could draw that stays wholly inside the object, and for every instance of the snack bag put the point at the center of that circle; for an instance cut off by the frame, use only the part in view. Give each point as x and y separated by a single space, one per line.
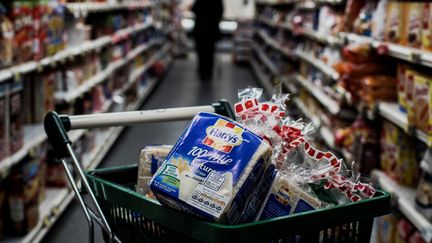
151 158
395 22
422 100
426 32
413 25
212 169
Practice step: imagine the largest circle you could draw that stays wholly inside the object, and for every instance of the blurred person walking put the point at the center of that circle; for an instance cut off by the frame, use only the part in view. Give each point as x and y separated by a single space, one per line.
208 14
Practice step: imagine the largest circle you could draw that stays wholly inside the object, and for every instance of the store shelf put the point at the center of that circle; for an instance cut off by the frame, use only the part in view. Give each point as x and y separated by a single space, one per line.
274 44
391 112
57 200
318 64
329 103
404 197
276 2
101 76
82 9
264 81
325 132
34 135
413 55
288 84
70 52
265 59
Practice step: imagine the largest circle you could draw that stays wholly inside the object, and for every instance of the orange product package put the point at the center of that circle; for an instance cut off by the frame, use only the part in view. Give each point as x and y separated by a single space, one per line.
395 22
409 93
427 27
413 25
422 99
358 53
402 100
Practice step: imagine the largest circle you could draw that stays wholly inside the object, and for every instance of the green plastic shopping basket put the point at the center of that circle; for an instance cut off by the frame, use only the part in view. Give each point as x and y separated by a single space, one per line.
135 218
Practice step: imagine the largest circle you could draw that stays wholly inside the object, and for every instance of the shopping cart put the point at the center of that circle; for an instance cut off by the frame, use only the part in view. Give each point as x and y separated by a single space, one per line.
127 216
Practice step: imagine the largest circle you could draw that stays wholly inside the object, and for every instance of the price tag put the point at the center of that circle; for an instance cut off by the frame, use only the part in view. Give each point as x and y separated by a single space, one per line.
17 76
46 221
55 210
415 57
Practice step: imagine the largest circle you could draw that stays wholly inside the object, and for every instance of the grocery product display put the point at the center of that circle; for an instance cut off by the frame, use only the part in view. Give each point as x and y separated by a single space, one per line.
73 58
360 73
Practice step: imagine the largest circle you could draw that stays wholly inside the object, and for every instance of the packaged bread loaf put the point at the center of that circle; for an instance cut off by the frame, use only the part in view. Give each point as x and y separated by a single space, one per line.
212 169
151 158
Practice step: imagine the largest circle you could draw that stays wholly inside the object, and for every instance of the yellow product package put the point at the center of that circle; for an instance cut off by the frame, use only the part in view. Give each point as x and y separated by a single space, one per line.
395 22
409 93
427 27
389 148
413 25
421 98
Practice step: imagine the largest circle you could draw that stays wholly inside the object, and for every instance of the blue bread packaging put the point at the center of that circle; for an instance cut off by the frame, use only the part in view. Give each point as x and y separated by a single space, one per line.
213 169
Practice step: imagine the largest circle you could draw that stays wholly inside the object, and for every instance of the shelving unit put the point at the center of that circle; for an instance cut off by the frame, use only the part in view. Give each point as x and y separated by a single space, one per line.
276 2
404 198
71 52
318 64
82 9
412 55
57 199
275 45
391 112
264 58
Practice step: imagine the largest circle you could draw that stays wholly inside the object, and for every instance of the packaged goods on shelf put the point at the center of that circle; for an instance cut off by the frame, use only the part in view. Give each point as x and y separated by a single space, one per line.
413 24
379 20
55 28
422 103
395 22
402 94
22 17
6 38
398 155
424 195
4 116
426 32
16 118
24 186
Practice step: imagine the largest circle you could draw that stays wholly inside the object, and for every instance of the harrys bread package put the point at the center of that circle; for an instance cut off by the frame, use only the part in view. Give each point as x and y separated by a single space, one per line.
213 169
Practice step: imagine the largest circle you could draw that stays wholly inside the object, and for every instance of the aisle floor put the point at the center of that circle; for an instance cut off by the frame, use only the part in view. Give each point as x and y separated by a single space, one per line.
180 87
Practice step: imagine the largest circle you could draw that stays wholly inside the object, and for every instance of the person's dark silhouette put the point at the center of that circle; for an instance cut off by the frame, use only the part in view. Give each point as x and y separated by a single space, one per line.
208 14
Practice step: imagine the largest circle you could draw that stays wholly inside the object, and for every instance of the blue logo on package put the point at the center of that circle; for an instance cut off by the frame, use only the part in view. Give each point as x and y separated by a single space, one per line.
203 169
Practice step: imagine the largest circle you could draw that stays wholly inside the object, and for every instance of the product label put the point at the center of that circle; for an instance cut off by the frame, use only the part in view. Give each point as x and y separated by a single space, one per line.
205 165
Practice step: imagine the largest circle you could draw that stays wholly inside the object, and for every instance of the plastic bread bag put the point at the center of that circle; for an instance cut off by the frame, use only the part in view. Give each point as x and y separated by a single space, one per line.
261 116
213 168
287 196
151 158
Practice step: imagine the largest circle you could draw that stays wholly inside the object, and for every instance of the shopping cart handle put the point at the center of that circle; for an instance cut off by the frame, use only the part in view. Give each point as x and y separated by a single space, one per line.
223 108
56 128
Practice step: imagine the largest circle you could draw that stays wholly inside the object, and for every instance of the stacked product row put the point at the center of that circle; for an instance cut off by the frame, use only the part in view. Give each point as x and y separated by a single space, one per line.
105 61
352 64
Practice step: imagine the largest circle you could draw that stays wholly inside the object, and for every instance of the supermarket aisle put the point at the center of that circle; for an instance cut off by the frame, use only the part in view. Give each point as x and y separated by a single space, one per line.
179 88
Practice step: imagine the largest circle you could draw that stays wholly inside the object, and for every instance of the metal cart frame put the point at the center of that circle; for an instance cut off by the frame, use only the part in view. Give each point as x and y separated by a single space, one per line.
56 127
